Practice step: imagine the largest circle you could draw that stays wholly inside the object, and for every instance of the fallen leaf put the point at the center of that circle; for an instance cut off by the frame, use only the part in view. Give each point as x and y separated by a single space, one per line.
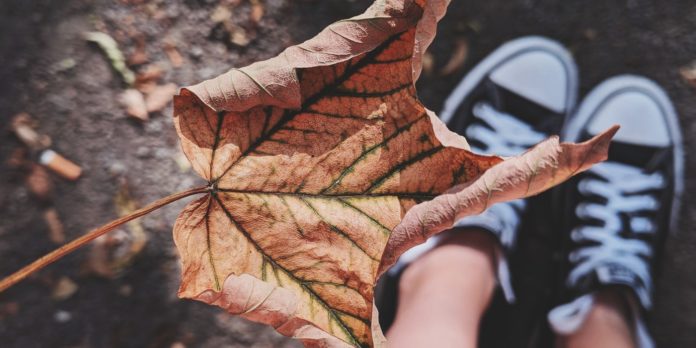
111 254
64 65
257 10
64 289
159 97
134 102
314 157
428 63
56 233
236 30
23 125
222 13
150 74
688 73
457 58
173 54
116 58
240 36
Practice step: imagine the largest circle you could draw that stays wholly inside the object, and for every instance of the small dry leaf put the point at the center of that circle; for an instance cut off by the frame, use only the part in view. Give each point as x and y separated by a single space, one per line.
240 36
688 73
257 10
23 126
221 14
457 58
428 63
64 289
173 54
134 102
324 166
159 97
56 233
149 75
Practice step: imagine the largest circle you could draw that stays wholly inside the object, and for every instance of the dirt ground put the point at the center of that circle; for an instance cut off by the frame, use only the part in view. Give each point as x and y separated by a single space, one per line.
49 71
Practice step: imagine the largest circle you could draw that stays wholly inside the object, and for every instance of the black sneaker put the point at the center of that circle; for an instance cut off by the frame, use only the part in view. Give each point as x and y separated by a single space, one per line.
617 214
515 98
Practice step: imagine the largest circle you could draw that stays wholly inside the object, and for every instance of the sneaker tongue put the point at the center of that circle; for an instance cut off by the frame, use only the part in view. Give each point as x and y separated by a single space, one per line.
541 118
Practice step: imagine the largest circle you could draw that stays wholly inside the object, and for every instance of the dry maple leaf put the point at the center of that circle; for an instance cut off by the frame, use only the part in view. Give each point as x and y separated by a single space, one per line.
323 167
314 157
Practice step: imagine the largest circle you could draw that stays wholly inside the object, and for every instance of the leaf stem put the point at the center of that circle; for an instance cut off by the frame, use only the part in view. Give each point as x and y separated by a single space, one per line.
68 248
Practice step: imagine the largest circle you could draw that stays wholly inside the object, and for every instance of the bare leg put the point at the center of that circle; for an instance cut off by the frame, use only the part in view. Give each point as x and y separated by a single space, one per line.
606 326
444 293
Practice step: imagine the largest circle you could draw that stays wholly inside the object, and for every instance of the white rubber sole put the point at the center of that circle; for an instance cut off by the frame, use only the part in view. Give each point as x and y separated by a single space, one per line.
504 53
572 130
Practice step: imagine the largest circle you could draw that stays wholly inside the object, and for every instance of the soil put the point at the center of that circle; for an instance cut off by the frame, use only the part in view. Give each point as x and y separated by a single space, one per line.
78 107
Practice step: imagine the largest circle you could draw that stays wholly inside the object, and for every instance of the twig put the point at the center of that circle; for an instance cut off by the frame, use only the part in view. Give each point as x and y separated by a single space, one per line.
57 254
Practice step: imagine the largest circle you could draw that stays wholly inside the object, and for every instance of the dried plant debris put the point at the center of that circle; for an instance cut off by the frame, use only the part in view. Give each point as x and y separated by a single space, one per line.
56 232
160 96
64 289
236 23
688 73
23 126
457 57
173 54
134 102
110 47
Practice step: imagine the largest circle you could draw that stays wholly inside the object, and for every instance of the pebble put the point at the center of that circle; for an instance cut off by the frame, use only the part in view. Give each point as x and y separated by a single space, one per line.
143 152
62 316
117 168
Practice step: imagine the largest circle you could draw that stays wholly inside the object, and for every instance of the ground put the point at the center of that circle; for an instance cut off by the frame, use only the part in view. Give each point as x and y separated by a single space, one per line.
78 107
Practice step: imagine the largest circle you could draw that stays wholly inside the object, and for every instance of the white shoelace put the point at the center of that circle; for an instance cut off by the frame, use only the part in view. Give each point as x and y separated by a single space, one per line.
507 135
622 187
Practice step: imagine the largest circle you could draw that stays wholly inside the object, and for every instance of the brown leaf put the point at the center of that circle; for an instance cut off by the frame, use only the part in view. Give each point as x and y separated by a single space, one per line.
134 102
64 289
23 126
688 73
56 233
159 97
457 58
173 54
149 75
313 158
257 10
